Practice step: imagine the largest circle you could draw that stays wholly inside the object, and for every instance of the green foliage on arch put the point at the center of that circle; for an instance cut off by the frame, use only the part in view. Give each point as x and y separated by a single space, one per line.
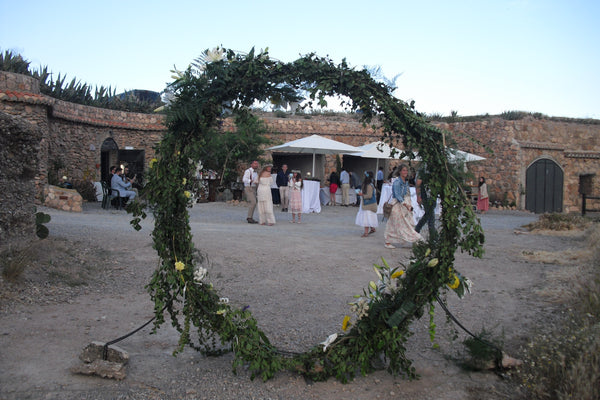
225 81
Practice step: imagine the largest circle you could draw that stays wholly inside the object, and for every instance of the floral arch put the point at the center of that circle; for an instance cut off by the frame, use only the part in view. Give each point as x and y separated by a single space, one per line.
222 82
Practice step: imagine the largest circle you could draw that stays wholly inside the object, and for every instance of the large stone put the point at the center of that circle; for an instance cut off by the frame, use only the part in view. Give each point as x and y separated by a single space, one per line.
104 369
95 351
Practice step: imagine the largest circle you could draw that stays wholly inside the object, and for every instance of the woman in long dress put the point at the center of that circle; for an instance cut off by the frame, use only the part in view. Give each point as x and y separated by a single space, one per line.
295 205
483 199
367 213
264 197
400 226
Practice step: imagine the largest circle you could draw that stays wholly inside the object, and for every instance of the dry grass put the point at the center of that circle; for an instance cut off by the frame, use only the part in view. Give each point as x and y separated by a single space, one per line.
559 222
14 261
563 362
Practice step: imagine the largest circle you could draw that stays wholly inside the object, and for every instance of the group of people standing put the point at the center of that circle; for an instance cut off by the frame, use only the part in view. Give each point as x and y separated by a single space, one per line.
257 187
400 227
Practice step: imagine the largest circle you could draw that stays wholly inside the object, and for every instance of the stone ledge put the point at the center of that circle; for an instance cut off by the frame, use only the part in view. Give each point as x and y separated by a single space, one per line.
63 199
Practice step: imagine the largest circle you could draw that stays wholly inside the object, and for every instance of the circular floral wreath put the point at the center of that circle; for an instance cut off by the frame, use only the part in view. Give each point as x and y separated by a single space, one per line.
222 82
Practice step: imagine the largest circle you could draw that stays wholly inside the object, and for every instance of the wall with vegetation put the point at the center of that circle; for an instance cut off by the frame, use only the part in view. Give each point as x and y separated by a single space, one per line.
72 135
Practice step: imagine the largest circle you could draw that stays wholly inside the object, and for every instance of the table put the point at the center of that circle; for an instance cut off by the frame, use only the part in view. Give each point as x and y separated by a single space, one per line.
325 196
310 197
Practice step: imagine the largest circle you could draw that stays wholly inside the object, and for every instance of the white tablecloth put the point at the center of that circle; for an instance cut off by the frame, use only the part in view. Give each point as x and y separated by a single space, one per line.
310 197
325 196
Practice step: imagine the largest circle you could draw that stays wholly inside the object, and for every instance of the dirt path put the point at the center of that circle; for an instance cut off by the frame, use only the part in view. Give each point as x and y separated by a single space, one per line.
297 280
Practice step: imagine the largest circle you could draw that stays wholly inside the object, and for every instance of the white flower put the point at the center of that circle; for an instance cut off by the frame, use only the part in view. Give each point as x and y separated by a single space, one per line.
223 300
330 339
207 57
468 284
199 274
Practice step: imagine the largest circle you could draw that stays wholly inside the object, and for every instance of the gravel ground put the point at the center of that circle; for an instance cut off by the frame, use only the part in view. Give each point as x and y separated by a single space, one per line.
88 285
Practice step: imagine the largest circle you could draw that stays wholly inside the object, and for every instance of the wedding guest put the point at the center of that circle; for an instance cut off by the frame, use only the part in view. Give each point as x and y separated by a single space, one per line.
119 185
264 197
334 183
345 183
483 200
367 213
400 226
282 183
250 180
296 185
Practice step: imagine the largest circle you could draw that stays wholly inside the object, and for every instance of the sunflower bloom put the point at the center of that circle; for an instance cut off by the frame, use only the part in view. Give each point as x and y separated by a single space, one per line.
184 181
187 194
152 162
346 323
179 266
456 282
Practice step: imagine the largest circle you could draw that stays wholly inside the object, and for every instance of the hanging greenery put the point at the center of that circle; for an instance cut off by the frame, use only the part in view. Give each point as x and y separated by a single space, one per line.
223 82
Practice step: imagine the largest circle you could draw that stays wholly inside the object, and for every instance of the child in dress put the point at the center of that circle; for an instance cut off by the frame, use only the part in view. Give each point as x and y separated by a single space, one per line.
295 206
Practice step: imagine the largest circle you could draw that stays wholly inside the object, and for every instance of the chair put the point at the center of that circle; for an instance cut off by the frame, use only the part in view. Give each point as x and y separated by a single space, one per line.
110 196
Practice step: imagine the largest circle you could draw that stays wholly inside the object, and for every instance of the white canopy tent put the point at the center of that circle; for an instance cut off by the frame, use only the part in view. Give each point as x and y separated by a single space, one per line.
315 144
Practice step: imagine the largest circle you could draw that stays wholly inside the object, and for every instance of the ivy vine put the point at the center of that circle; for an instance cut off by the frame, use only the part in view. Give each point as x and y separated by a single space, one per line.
223 82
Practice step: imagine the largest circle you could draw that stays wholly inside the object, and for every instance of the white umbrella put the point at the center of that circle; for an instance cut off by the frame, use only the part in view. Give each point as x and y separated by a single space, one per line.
378 150
315 144
453 156
459 155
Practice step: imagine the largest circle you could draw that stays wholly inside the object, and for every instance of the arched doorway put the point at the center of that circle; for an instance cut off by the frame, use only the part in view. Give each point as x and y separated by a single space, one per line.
544 187
108 156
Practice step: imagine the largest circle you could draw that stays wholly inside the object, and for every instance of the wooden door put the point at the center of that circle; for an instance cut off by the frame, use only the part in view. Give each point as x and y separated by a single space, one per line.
544 187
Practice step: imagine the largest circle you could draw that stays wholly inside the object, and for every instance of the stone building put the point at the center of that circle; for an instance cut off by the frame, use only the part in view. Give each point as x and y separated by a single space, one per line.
536 164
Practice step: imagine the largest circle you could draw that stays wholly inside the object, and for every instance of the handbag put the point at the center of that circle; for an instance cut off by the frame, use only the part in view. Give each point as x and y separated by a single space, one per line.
387 210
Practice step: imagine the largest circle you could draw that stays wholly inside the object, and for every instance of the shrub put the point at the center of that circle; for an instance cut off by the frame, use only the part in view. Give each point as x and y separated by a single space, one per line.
14 262
559 222
564 362
86 189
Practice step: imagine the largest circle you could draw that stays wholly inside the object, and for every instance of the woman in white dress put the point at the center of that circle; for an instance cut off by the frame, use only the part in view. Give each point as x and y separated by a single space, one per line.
367 213
400 227
265 198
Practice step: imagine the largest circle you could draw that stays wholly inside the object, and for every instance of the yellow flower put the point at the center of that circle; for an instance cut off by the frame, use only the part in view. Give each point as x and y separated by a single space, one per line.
187 194
373 285
433 262
377 272
179 266
221 311
184 181
152 162
456 282
346 323
397 274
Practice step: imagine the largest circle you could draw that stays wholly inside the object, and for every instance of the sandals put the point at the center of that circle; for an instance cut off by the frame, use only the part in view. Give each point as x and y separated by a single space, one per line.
371 231
364 235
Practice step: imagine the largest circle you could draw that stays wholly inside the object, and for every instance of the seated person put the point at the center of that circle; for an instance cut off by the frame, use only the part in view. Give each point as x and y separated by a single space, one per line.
122 187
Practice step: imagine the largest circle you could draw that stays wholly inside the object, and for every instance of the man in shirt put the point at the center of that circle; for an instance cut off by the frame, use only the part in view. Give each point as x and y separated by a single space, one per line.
282 183
250 180
120 186
345 182
424 198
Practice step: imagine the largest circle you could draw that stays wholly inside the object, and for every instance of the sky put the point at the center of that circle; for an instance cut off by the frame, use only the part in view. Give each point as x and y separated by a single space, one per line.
469 57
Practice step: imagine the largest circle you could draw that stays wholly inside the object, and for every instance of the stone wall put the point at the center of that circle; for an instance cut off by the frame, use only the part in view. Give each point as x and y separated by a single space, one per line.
19 151
73 134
